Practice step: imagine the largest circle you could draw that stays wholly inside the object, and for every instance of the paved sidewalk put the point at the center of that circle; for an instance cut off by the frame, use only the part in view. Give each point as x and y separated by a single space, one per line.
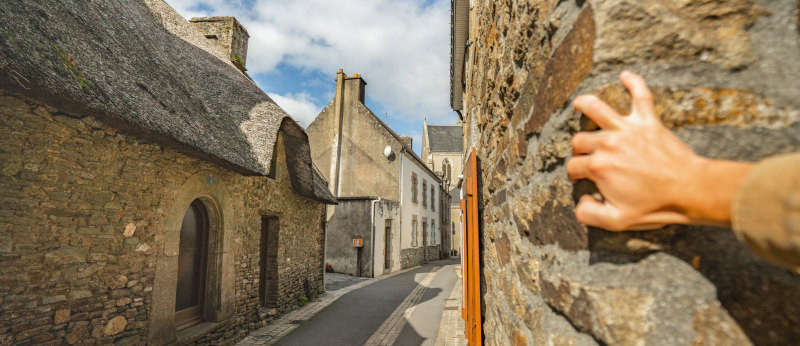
270 334
451 329
337 281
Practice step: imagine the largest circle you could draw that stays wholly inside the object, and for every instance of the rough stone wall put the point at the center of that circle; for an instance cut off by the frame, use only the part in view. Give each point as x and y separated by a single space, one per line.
226 33
81 211
412 257
434 253
725 79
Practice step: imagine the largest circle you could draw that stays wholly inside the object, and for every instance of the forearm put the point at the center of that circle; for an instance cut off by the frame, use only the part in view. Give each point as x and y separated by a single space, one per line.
710 193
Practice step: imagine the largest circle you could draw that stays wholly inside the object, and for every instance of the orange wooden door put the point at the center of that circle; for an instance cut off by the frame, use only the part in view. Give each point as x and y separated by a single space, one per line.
471 254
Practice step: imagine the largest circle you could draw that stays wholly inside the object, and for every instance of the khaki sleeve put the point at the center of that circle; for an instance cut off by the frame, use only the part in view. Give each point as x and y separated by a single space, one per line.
766 211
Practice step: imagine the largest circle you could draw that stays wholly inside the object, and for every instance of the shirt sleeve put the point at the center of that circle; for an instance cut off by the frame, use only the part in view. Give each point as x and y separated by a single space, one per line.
766 210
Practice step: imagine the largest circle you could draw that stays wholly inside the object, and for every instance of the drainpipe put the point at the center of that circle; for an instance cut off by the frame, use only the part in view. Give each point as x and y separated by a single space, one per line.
402 210
372 222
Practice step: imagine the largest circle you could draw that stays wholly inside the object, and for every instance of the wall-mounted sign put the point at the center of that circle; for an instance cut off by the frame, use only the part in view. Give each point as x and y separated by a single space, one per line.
358 242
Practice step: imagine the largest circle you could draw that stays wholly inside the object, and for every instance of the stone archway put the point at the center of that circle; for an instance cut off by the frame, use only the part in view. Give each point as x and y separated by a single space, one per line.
211 191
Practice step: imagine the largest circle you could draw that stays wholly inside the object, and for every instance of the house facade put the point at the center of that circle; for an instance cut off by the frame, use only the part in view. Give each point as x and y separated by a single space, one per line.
145 200
720 82
369 165
442 147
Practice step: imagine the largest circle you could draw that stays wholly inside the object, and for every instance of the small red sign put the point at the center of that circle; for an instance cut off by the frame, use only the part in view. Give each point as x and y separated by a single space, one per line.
358 242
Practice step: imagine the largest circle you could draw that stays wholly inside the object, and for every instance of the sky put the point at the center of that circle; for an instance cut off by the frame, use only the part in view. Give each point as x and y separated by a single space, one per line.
400 47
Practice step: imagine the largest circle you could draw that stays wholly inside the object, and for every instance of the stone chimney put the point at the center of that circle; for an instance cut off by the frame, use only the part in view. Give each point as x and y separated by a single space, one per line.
227 34
354 87
407 141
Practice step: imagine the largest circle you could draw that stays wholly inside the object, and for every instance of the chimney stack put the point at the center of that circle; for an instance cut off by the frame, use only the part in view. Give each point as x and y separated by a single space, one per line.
227 34
407 141
354 87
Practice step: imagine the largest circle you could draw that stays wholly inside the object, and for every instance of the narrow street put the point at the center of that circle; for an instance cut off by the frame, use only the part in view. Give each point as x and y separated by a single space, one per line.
405 308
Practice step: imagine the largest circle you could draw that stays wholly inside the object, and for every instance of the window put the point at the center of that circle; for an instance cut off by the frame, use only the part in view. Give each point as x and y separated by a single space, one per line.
414 187
433 198
447 170
424 193
414 230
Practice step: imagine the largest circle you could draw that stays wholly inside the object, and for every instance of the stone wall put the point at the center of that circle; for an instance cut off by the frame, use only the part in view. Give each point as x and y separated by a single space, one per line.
725 79
227 34
434 253
412 257
82 235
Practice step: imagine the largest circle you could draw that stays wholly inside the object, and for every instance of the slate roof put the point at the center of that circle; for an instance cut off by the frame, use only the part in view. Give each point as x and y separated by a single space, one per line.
455 196
445 138
141 67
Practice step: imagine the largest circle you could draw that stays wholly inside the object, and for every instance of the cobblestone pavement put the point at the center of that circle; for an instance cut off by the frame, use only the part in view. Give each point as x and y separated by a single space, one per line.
451 328
270 334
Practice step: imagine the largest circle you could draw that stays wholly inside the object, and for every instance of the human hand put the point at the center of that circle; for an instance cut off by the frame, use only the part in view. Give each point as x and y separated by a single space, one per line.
648 177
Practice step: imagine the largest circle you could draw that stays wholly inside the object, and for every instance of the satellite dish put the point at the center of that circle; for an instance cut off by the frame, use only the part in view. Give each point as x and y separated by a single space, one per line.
388 153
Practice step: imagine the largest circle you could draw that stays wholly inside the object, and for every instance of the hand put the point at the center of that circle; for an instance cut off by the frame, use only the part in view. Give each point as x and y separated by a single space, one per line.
648 177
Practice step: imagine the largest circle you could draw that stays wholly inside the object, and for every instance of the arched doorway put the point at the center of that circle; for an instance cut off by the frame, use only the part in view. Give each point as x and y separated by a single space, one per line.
192 260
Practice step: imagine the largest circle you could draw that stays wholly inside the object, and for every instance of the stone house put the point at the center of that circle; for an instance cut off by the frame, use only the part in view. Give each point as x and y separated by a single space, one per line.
442 147
151 193
721 81
391 199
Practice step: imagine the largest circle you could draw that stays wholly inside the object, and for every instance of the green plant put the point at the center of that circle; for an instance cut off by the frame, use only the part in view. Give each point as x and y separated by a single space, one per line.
303 300
238 61
73 69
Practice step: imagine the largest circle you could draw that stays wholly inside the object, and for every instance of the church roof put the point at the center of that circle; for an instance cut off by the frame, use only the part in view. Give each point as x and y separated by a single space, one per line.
445 138
141 67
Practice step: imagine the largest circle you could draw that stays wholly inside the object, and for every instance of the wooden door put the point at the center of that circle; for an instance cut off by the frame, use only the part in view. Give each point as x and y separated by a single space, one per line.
387 254
471 254
268 262
192 253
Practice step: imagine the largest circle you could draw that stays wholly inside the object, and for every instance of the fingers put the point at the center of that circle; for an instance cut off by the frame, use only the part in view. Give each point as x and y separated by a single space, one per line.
663 217
642 97
578 168
605 215
599 111
595 213
585 142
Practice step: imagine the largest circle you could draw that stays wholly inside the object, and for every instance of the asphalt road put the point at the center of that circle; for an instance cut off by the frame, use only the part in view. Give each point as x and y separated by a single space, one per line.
353 318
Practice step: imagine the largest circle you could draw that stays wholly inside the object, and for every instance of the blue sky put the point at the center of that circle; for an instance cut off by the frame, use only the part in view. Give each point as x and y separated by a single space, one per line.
400 47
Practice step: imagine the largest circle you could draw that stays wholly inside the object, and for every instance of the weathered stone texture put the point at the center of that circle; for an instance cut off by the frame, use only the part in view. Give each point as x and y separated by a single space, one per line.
722 81
81 226
412 257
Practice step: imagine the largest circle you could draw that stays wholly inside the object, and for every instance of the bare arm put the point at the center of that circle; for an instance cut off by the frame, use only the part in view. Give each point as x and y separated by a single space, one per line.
648 177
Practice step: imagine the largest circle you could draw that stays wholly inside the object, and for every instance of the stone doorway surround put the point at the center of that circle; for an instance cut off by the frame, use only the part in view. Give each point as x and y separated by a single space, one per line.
219 293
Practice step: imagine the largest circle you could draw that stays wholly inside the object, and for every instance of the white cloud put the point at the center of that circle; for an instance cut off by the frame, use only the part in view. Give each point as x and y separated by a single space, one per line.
299 106
400 47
